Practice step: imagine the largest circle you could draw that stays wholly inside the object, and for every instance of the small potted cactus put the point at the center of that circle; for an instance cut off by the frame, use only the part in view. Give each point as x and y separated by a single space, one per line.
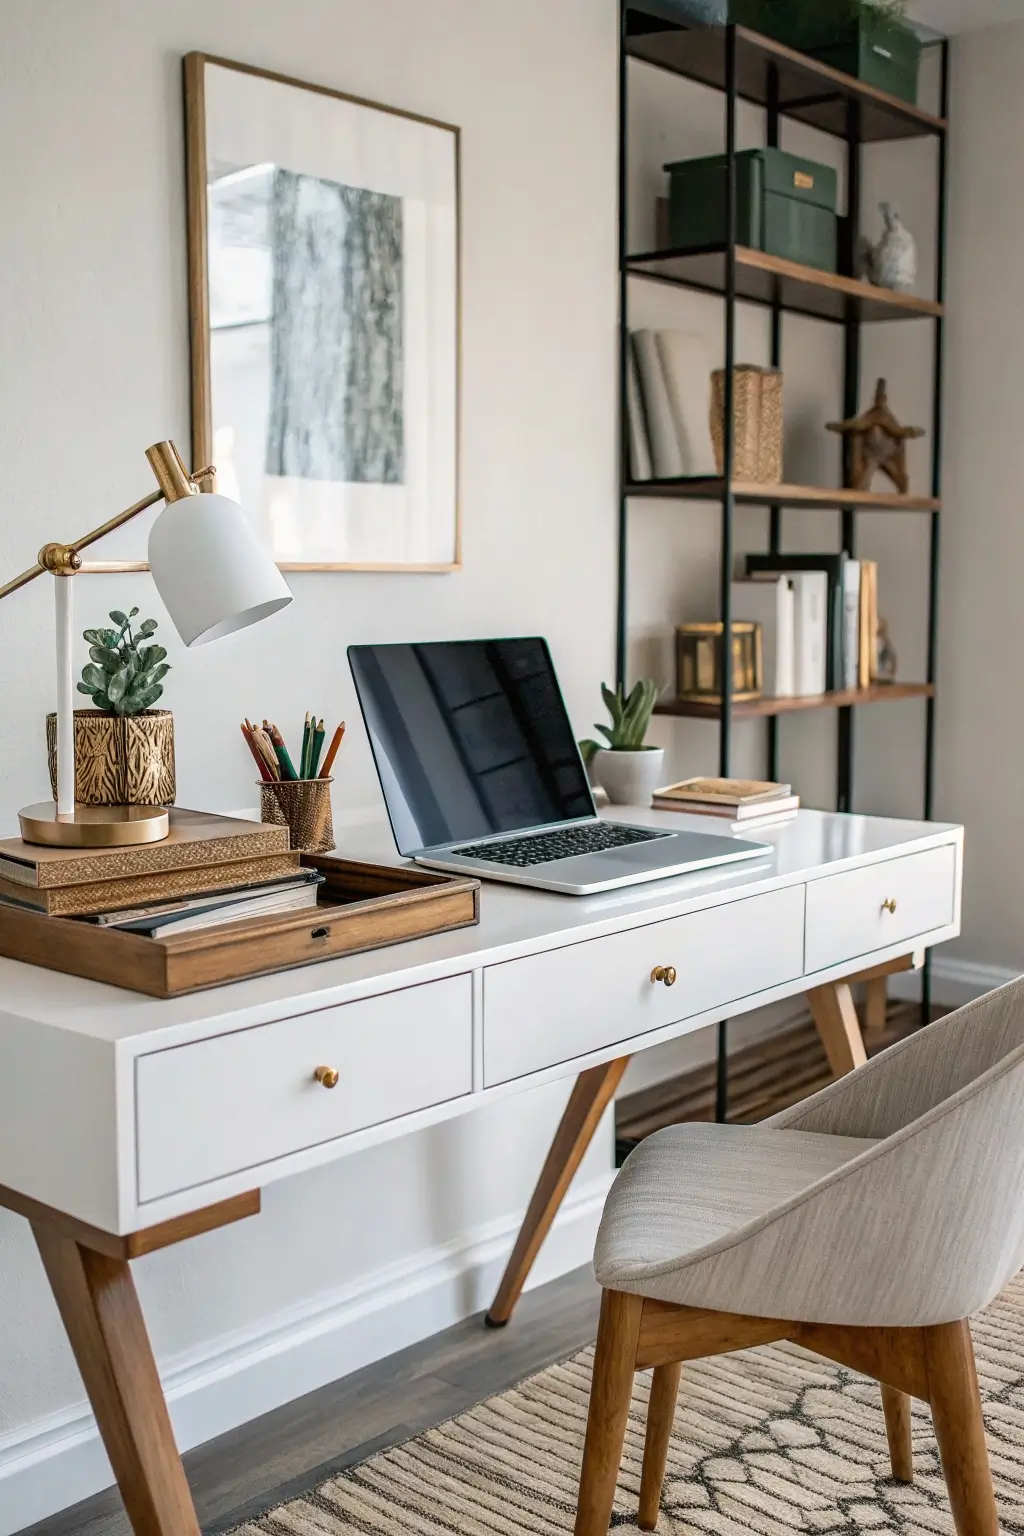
626 769
124 748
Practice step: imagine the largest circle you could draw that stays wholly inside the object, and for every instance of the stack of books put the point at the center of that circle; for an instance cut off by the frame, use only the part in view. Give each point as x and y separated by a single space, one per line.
743 803
819 621
208 870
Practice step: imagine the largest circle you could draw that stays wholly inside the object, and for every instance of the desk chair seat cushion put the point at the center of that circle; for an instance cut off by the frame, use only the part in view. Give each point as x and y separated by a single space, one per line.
691 1191
890 1199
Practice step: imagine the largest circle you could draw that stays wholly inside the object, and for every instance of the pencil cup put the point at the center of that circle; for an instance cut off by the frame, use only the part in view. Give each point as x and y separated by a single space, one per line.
304 807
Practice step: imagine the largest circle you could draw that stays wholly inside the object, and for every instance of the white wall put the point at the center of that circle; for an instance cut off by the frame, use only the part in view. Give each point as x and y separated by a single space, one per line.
981 725
353 1262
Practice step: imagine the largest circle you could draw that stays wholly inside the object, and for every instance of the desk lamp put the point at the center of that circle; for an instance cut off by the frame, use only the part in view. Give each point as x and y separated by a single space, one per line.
214 577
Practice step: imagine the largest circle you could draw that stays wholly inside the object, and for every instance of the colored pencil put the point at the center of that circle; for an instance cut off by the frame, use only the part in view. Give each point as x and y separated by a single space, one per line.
332 751
316 747
263 742
281 751
304 772
265 772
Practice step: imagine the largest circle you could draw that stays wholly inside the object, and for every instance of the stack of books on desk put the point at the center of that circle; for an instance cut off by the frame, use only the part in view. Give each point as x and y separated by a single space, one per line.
744 803
208 870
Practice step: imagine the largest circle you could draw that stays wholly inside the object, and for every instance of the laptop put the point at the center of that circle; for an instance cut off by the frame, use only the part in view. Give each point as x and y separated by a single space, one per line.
482 775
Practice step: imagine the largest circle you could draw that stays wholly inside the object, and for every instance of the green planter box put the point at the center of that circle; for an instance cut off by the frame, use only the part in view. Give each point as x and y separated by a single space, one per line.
784 205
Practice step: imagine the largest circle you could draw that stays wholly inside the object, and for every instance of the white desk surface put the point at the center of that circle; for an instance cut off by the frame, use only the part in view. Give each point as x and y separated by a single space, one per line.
514 921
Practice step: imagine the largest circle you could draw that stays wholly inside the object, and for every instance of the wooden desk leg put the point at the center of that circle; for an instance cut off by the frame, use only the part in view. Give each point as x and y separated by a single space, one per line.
835 1017
96 1297
876 1002
588 1101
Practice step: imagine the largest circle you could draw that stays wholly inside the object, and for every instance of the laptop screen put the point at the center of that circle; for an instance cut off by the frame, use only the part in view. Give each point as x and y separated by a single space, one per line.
470 738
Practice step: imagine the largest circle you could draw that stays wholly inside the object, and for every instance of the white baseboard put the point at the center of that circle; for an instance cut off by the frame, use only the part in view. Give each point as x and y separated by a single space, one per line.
55 1462
954 982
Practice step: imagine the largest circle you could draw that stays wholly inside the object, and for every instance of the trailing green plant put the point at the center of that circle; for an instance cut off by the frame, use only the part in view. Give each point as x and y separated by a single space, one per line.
630 716
123 676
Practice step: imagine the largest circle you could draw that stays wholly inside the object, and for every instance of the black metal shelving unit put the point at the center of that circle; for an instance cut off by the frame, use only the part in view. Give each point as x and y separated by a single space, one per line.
788 85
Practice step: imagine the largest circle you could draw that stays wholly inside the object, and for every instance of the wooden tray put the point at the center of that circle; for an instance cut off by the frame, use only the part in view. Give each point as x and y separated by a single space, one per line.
360 907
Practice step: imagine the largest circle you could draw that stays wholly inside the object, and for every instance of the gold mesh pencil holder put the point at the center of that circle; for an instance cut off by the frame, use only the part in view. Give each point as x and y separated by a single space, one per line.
304 807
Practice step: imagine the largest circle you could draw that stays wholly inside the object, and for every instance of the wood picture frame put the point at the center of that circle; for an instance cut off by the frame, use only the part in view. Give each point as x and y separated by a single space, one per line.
374 485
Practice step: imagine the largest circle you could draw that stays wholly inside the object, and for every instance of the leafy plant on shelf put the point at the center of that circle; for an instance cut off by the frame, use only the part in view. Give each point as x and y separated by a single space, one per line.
125 669
630 716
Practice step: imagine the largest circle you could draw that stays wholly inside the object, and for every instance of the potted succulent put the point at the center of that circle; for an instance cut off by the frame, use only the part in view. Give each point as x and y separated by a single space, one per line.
124 748
625 768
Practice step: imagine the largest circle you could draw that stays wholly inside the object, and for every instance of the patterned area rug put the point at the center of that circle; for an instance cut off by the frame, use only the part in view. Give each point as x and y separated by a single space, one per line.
767 1442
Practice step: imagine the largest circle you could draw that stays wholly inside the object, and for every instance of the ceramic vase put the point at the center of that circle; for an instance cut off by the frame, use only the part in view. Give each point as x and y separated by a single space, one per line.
894 258
629 778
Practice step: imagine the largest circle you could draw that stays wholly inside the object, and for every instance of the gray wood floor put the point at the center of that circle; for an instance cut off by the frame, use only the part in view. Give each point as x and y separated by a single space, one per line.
242 1472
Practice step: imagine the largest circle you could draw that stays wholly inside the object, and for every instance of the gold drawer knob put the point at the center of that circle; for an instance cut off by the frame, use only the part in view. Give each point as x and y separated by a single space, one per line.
327 1077
664 973
890 905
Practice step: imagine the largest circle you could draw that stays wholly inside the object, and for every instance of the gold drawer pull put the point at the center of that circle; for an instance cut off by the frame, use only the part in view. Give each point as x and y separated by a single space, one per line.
327 1077
665 973
890 905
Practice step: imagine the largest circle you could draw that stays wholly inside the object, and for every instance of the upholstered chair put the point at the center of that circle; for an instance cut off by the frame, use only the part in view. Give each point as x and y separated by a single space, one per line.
867 1224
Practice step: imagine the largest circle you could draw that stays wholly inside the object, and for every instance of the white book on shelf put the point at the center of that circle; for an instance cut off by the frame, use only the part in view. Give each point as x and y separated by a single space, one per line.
686 364
640 466
810 592
772 604
666 456
851 624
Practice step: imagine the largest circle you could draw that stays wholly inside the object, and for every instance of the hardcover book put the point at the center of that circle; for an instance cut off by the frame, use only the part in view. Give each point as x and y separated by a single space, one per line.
90 896
196 841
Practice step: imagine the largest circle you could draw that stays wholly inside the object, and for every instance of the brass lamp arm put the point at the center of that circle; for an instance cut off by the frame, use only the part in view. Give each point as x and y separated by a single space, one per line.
65 559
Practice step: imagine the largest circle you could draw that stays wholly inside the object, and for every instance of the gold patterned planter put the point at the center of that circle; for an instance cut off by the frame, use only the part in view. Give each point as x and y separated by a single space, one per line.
119 759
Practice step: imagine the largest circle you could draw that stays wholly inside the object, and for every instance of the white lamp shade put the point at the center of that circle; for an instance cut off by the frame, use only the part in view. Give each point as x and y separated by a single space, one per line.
210 568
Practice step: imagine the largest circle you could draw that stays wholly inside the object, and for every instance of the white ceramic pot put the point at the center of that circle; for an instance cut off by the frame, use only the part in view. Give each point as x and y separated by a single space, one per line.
629 778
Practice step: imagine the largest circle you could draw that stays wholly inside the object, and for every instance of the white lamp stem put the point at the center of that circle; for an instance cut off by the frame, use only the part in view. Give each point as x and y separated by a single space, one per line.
64 606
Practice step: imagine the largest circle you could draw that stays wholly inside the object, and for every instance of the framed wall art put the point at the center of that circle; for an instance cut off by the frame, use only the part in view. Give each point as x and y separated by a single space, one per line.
323 236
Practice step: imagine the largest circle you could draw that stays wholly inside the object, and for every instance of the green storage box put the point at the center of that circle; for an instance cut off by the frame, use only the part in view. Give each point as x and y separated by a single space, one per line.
882 53
784 205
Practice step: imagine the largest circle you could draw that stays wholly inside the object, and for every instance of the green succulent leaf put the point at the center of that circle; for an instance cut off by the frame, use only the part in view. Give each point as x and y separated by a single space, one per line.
118 617
133 613
87 688
94 636
94 677
108 659
147 626
117 686
589 750
137 702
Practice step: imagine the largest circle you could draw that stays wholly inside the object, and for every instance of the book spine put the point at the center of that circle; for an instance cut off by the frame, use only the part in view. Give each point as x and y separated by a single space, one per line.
851 624
108 895
666 455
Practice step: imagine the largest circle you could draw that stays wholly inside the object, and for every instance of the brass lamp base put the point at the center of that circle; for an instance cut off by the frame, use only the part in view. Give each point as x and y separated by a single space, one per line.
94 826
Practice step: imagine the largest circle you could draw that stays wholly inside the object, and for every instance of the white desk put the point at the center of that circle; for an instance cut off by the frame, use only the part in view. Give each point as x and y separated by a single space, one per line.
127 1124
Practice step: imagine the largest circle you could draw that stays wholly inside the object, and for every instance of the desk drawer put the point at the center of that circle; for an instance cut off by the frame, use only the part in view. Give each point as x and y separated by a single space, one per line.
549 1008
211 1109
851 915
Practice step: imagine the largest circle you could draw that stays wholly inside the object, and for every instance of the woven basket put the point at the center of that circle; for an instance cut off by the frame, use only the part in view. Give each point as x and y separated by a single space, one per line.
757 423
304 807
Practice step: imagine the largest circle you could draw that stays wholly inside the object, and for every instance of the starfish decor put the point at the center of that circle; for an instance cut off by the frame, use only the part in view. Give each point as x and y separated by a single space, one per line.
876 441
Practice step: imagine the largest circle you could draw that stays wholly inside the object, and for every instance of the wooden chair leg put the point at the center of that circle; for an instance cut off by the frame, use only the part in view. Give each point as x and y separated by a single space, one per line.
896 1406
610 1393
959 1428
590 1097
98 1304
660 1418
835 1018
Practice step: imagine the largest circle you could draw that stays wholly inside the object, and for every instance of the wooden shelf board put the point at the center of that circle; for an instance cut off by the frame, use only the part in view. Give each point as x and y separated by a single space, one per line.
757 709
809 91
765 279
712 488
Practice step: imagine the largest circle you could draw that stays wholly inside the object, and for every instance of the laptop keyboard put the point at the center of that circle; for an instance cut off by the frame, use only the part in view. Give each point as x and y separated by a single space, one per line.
549 847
